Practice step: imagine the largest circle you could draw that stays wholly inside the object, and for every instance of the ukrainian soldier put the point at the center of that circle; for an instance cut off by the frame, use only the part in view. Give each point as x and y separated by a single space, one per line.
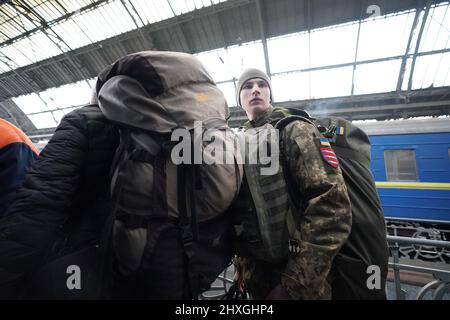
317 210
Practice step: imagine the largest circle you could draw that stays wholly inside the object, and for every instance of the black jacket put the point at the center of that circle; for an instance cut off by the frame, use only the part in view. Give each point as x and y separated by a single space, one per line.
66 189
17 153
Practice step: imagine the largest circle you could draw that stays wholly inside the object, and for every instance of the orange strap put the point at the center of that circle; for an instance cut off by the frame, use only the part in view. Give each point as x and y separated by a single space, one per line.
9 133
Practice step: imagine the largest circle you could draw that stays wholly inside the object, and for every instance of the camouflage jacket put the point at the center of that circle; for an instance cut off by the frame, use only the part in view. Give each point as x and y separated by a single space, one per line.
325 221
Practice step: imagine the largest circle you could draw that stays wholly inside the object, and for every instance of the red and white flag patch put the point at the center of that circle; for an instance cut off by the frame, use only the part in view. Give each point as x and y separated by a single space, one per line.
327 153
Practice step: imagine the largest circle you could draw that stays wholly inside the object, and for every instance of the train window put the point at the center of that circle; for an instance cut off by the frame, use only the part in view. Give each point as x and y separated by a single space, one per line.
400 165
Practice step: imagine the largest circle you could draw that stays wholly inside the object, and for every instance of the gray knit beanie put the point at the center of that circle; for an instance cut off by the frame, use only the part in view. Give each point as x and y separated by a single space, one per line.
248 74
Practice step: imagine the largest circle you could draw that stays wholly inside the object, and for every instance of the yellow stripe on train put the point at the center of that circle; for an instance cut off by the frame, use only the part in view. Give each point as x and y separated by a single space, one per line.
413 185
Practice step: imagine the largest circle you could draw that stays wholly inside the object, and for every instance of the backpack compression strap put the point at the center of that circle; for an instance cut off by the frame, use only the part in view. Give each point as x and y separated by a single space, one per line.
290 182
189 227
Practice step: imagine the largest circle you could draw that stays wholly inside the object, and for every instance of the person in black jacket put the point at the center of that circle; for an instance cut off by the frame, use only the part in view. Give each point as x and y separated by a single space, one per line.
17 153
69 180
127 206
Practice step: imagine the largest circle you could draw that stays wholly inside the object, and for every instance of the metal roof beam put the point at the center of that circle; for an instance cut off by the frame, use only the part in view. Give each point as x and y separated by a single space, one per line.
43 26
17 115
183 34
408 48
380 111
333 66
49 24
221 29
27 81
419 40
146 42
11 116
263 37
356 58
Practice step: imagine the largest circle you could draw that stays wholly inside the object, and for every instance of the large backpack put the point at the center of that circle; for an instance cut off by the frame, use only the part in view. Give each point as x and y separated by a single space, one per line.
366 246
365 253
164 103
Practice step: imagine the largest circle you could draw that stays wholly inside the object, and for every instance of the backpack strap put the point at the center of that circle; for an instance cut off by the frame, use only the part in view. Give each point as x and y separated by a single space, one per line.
189 227
159 196
290 182
124 134
282 123
123 154
300 113
106 261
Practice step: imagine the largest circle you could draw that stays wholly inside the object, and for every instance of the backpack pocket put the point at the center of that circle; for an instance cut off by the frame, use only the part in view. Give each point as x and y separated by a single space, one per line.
128 244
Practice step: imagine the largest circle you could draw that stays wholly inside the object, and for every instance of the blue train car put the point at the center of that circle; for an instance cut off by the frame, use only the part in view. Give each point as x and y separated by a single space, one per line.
411 166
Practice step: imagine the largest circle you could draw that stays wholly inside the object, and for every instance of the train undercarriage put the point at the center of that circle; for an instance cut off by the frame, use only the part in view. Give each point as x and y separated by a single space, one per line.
421 230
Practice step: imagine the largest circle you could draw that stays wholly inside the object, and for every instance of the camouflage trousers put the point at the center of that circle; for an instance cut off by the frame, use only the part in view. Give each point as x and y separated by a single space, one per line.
258 277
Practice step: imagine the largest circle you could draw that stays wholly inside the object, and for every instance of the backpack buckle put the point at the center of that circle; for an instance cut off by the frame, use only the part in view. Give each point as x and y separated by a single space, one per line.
293 246
327 132
186 238
330 132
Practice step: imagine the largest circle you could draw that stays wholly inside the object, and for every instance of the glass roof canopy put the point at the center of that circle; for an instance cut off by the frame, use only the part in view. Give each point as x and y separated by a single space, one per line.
47 108
362 57
69 21
356 58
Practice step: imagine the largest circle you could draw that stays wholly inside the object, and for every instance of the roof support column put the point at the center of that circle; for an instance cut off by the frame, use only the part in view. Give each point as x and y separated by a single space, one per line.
419 39
356 58
263 37
408 48
146 43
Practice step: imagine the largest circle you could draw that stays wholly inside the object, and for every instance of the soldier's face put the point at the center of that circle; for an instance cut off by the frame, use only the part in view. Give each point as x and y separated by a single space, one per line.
255 97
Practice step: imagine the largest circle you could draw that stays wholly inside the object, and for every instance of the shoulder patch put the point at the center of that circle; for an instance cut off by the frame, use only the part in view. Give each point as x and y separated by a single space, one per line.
340 131
327 153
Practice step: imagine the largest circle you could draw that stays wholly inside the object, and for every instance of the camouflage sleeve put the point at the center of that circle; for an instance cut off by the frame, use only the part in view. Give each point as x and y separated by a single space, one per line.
325 222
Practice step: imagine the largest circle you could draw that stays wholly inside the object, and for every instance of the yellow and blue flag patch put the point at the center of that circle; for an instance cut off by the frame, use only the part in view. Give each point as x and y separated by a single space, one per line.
324 142
340 131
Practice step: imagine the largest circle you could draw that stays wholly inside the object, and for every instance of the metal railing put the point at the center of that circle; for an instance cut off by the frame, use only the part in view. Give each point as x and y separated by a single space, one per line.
415 231
437 287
